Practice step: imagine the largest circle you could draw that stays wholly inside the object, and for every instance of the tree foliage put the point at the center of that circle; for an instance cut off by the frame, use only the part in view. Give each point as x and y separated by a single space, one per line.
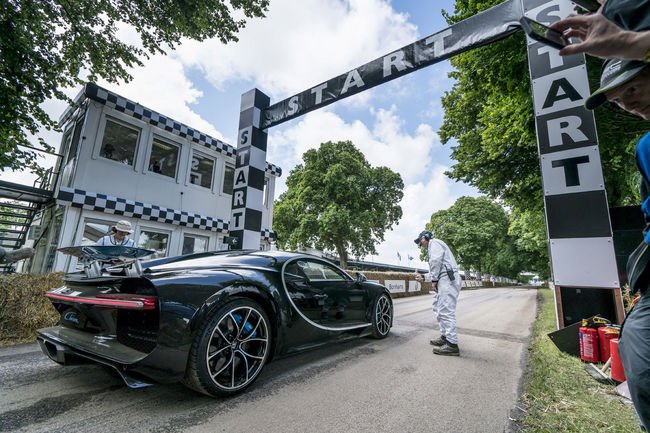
479 231
47 45
489 113
336 201
471 228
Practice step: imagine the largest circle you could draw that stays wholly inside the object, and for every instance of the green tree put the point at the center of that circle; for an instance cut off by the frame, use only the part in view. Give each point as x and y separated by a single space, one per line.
528 230
474 229
336 201
47 45
489 115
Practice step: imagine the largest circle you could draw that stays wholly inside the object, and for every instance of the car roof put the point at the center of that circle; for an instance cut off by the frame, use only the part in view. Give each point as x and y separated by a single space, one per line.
234 258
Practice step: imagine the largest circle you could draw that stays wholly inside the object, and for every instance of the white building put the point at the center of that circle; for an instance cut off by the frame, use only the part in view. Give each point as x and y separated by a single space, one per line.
120 160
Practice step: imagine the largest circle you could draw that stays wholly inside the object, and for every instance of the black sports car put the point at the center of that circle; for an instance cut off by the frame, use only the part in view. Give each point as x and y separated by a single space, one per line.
211 320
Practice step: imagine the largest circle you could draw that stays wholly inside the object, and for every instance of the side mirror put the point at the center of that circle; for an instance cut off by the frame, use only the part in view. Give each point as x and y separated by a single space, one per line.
361 278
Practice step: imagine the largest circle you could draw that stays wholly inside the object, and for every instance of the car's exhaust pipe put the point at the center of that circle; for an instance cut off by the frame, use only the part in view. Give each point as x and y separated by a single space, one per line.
64 356
54 351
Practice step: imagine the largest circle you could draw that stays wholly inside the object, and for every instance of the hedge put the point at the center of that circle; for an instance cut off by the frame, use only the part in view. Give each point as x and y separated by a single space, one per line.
23 306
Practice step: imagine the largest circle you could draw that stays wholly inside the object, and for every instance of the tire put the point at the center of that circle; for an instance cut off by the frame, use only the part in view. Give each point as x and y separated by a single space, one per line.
230 350
382 316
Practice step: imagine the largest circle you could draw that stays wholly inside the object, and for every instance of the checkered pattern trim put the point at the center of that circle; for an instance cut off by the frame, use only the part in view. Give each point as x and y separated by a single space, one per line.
273 169
129 208
126 106
268 235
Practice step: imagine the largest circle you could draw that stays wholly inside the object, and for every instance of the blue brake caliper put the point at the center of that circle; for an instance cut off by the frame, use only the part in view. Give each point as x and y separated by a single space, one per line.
248 327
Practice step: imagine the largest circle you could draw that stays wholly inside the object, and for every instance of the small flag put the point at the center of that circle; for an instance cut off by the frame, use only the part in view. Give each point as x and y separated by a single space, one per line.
399 256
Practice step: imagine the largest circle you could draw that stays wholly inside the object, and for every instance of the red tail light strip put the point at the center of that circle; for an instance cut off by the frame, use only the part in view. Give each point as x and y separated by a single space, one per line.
110 301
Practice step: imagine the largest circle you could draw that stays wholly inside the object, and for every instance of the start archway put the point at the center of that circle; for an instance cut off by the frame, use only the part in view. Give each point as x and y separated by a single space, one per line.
577 218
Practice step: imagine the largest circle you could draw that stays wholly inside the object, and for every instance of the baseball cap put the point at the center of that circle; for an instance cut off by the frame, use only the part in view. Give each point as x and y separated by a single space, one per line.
614 73
425 233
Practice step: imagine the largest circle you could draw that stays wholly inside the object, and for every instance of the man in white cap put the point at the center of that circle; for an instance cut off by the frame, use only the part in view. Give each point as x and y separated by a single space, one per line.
119 237
627 84
443 274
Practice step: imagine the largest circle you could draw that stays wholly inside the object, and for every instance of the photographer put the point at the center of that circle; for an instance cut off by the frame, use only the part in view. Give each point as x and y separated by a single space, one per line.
626 83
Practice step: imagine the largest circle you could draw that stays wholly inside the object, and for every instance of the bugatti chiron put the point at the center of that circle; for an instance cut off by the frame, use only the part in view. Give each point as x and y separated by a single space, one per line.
211 320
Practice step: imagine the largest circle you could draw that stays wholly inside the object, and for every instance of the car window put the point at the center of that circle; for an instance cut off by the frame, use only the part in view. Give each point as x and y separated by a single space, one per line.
319 270
293 271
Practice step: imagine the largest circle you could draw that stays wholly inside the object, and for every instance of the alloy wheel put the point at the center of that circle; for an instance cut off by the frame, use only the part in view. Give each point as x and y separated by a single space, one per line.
383 315
238 348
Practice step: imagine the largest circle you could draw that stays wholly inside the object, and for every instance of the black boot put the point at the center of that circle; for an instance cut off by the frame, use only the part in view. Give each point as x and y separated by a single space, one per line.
438 341
447 349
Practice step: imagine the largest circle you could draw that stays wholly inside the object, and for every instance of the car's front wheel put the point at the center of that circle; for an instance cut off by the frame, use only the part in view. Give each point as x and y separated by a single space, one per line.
382 318
230 350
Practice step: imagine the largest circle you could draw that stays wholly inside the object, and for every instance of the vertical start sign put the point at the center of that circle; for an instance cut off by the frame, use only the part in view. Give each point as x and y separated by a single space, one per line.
577 214
250 164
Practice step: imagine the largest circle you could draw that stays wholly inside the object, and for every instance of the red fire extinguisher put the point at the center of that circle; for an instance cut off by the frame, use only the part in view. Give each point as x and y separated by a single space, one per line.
605 335
589 344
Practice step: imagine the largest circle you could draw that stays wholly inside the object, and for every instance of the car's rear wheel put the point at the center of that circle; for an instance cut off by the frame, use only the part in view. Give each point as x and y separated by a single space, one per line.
382 318
230 350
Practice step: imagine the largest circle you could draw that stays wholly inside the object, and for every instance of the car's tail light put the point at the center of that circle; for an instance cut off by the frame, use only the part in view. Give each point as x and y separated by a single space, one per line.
117 300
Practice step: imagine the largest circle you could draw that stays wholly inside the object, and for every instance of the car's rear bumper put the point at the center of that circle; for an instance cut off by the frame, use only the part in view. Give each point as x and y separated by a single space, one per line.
70 346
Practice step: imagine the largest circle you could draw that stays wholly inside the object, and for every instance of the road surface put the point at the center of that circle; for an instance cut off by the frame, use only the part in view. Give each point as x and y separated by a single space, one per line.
390 385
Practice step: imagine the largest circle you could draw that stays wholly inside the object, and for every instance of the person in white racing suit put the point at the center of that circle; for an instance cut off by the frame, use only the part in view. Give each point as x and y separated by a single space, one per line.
445 279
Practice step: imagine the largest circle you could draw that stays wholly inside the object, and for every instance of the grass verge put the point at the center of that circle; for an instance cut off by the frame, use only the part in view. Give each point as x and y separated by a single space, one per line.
559 396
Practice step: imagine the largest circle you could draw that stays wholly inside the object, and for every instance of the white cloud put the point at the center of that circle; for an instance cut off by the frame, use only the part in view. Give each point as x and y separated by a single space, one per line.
385 144
300 44
420 200
161 85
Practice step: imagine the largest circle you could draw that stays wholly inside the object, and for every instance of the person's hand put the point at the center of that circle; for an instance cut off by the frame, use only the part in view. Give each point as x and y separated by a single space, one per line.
600 37
434 286
418 277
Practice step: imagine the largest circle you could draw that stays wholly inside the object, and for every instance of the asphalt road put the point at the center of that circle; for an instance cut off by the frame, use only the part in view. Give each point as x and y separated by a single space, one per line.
390 385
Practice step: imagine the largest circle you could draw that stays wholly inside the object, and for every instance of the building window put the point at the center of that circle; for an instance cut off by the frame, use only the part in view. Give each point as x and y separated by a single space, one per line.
228 179
95 230
194 244
54 235
119 142
201 170
69 146
156 241
164 158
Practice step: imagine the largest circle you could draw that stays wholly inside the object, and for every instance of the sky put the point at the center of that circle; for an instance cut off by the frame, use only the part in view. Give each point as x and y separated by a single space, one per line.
298 45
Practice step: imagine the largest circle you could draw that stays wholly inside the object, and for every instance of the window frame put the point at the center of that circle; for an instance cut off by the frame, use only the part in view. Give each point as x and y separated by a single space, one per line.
195 151
141 229
226 166
194 235
321 265
106 118
179 148
91 219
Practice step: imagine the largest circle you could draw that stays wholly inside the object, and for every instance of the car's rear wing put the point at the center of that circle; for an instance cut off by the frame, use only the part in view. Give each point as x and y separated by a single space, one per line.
95 258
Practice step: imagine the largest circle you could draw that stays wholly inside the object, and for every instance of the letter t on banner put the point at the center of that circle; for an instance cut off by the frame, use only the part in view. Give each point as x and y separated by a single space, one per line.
578 226
248 185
